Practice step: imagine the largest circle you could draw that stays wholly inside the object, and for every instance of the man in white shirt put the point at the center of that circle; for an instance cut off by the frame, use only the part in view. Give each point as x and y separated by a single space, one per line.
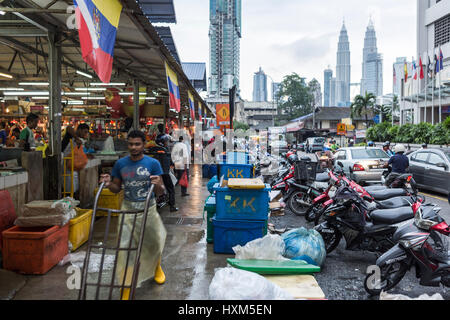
180 158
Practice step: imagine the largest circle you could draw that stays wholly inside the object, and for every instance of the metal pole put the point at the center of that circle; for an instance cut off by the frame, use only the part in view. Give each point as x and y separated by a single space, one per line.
55 112
432 93
426 94
440 102
136 104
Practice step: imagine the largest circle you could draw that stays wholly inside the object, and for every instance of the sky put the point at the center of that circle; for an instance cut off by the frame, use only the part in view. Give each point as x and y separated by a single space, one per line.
286 36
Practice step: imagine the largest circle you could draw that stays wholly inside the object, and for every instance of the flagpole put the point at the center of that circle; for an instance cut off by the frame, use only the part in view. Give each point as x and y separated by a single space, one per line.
426 95
440 102
432 92
416 74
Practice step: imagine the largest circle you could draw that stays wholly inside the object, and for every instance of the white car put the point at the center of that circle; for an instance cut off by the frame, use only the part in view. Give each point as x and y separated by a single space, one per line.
362 164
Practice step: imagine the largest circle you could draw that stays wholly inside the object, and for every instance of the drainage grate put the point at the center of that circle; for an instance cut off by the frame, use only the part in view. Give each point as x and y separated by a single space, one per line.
182 220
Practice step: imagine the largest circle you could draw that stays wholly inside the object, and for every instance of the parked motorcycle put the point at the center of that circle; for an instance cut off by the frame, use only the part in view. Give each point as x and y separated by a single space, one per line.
377 197
423 243
349 217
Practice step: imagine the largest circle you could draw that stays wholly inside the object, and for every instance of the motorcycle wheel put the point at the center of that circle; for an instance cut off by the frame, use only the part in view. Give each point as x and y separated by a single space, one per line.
296 207
331 237
390 275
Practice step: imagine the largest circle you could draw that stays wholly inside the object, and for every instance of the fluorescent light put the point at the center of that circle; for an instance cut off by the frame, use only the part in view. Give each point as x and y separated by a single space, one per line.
76 94
131 93
12 89
93 98
33 83
84 74
2 13
108 84
90 89
40 98
26 93
75 102
6 75
150 98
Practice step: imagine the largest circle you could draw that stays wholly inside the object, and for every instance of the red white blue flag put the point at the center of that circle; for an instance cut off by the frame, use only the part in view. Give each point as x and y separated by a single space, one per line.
174 89
97 22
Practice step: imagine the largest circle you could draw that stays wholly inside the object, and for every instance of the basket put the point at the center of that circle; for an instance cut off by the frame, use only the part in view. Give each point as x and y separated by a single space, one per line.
305 170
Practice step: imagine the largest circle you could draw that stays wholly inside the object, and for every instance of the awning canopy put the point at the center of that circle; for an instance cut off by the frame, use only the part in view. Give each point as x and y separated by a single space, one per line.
139 51
294 126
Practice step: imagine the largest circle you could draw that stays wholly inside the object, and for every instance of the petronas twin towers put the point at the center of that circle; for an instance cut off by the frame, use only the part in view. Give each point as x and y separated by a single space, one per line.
372 70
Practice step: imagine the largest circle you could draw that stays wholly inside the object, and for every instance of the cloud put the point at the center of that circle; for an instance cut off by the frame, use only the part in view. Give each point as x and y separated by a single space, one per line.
306 48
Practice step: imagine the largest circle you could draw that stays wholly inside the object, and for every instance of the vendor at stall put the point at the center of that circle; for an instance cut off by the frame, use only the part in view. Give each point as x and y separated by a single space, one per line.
26 135
13 140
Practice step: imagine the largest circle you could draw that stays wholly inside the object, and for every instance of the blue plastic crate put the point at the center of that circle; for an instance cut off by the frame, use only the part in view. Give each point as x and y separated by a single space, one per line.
230 233
212 170
242 204
238 171
237 157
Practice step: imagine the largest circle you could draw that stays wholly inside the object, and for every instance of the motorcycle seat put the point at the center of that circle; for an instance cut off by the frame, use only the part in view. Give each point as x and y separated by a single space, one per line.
375 188
387 193
391 216
394 203
322 177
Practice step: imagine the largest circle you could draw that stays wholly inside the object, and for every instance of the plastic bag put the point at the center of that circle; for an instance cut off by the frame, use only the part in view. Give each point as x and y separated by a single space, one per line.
211 184
388 296
236 284
270 247
303 244
108 147
80 159
173 178
184 180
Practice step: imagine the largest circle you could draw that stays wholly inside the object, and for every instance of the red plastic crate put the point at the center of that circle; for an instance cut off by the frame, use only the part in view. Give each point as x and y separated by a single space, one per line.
34 250
7 213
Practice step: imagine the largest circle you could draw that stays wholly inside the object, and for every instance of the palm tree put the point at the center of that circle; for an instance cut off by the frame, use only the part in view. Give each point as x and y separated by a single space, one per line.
362 105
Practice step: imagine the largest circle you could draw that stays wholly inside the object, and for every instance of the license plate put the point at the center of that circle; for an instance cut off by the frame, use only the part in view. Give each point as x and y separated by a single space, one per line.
380 166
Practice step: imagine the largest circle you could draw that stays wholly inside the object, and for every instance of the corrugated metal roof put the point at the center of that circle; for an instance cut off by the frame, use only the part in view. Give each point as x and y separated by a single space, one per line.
194 70
166 36
158 10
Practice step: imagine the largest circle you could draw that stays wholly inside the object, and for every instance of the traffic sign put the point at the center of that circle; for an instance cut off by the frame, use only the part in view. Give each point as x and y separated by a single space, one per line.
341 129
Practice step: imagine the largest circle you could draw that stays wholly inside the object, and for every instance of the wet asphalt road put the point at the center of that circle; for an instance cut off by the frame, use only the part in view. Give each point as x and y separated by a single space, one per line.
344 271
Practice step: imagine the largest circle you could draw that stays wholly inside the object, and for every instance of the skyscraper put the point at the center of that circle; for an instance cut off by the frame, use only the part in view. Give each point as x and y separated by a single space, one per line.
372 68
327 75
259 86
224 40
343 69
275 89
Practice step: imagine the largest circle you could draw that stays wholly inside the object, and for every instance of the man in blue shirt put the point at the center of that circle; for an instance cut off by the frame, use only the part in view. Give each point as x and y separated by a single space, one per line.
399 162
136 173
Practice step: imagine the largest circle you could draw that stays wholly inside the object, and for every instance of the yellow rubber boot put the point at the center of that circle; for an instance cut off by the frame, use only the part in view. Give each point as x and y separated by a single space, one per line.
125 292
160 277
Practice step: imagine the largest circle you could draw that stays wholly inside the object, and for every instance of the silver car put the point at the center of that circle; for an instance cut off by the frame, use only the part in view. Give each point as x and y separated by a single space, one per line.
362 164
431 169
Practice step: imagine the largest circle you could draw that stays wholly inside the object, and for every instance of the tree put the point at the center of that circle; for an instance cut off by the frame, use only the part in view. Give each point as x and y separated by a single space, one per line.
295 97
240 125
362 105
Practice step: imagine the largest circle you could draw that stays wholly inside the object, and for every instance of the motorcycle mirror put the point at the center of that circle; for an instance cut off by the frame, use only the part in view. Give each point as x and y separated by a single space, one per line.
340 164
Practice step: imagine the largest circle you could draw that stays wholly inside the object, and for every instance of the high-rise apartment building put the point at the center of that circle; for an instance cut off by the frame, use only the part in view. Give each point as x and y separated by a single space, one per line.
372 67
275 89
327 75
259 86
224 38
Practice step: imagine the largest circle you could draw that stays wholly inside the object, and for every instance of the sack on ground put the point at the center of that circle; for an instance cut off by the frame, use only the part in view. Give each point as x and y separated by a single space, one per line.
236 284
43 213
303 244
270 247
